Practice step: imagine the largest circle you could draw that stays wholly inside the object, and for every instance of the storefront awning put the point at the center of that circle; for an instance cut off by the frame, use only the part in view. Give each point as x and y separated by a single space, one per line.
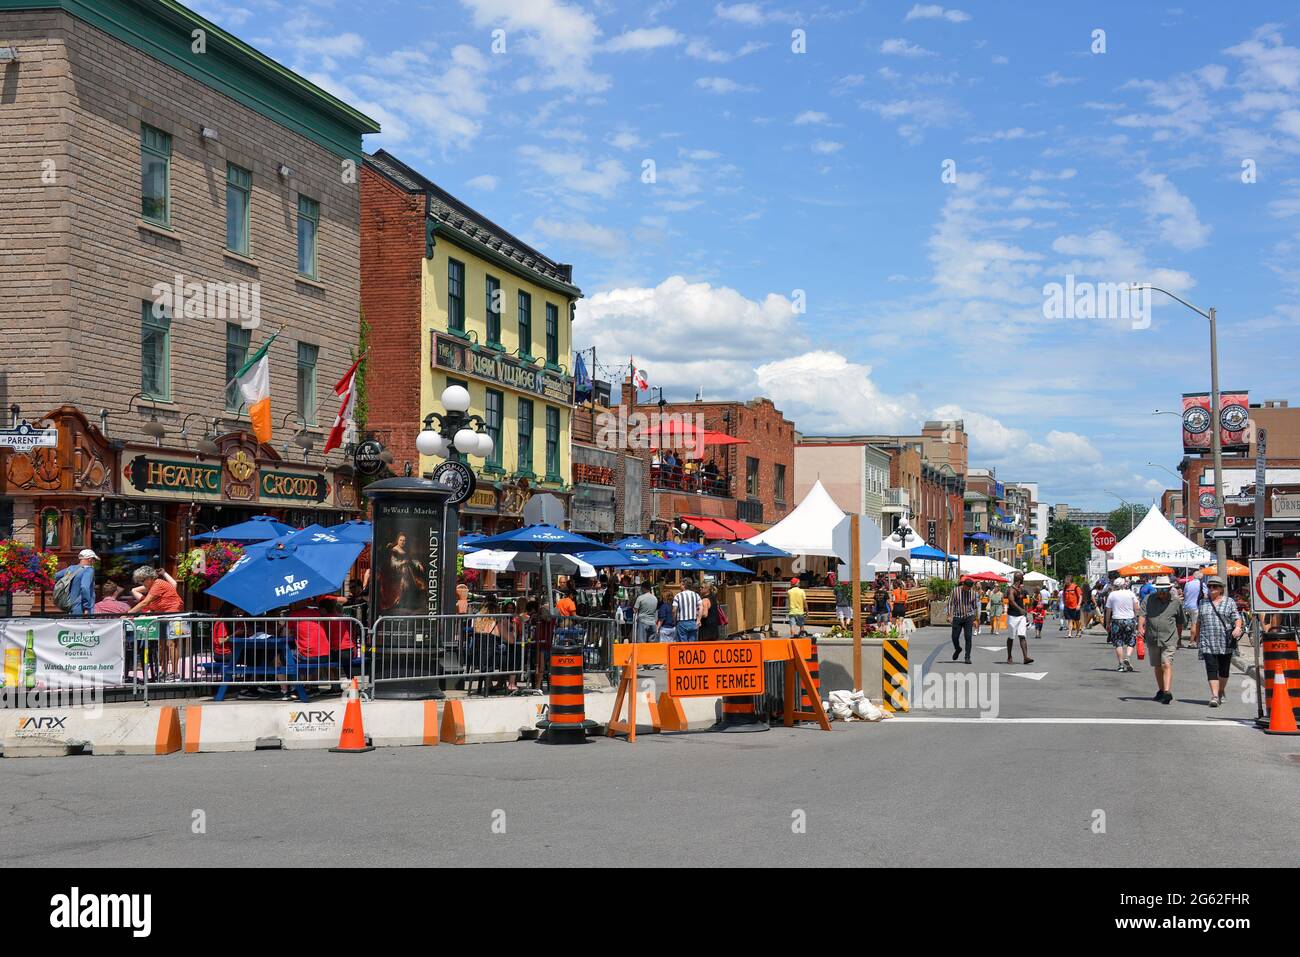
730 529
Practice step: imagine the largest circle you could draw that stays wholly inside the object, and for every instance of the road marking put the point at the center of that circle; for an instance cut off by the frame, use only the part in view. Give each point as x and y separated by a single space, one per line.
1198 722
990 647
1031 675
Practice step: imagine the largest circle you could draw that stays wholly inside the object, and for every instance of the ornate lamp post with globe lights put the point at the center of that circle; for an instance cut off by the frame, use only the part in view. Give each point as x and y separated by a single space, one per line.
457 431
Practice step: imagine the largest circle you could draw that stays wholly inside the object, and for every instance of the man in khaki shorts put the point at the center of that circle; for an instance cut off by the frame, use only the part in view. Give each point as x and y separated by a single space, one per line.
1161 619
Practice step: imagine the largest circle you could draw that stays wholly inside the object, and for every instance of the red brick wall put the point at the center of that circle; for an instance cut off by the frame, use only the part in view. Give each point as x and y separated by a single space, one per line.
392 248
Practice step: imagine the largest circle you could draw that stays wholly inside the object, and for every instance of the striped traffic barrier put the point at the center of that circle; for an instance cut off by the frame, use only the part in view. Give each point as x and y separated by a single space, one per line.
893 675
814 668
1279 655
566 721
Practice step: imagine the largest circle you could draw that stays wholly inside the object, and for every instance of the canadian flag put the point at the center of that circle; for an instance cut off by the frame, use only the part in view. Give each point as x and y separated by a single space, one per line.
344 425
639 379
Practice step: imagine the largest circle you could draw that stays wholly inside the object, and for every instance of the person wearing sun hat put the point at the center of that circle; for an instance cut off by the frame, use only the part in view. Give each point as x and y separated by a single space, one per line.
1215 632
1161 619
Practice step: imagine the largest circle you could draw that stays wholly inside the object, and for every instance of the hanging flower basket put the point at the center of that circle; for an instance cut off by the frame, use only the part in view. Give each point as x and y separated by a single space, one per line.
24 568
204 565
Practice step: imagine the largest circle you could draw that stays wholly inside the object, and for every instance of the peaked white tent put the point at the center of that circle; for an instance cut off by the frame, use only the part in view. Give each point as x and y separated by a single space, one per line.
898 545
974 564
1156 539
809 529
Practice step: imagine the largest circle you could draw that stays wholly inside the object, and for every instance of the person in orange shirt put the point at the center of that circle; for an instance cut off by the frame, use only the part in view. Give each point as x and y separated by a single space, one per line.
898 594
159 595
566 607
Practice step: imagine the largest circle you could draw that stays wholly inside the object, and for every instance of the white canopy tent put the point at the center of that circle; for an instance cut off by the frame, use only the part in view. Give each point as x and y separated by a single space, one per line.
488 559
809 529
974 564
898 545
1156 539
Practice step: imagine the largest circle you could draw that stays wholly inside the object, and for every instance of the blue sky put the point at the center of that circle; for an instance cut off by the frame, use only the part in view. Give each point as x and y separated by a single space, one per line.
798 238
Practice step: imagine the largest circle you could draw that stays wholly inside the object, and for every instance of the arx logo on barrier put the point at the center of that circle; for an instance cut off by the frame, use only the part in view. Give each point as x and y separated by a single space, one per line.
43 723
311 717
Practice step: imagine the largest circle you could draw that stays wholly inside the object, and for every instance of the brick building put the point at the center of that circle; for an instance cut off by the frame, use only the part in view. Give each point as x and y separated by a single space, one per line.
138 168
453 298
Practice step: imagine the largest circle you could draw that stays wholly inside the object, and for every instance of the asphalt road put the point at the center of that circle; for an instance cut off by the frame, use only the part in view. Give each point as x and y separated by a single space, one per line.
1053 780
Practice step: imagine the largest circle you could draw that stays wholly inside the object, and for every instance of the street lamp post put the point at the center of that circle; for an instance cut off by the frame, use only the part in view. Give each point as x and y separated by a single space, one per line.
1216 442
457 431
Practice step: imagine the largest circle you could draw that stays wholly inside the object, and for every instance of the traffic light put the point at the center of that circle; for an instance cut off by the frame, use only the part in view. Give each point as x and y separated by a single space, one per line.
1020 549
1044 550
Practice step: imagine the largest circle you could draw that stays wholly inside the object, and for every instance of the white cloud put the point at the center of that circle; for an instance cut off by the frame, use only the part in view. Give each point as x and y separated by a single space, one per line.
900 47
1179 224
933 11
1014 450
722 85
913 115
597 239
1056 79
997 136
559 36
700 49
811 117
826 147
485 182
800 386
1105 256
845 83
571 171
1267 62
646 38
751 14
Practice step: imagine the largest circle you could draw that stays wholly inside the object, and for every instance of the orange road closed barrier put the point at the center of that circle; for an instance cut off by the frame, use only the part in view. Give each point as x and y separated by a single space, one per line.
713 668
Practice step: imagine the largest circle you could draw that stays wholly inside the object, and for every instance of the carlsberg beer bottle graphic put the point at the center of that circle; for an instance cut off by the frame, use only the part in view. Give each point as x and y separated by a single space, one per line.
29 660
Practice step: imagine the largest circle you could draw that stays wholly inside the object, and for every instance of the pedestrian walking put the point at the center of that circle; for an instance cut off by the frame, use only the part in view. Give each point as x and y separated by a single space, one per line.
644 611
1215 632
1193 592
1072 605
1121 623
844 603
74 586
1161 619
1018 619
981 594
1039 615
796 608
963 607
898 598
686 609
996 608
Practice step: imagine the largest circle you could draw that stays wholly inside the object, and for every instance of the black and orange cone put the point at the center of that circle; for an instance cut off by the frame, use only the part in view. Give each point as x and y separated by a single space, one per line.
566 720
352 739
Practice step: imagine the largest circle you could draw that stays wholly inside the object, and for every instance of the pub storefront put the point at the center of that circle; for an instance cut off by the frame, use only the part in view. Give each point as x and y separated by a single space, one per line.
138 504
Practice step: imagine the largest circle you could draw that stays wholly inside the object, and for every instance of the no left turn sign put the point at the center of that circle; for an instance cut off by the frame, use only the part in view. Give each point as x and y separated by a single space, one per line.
1274 585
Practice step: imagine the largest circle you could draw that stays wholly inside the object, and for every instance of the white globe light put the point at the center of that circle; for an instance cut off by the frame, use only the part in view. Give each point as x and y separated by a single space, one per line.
466 442
455 398
430 442
485 445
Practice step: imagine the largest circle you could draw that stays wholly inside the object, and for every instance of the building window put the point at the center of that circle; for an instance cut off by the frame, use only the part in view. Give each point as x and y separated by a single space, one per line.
493 292
493 406
155 352
525 324
308 225
236 355
751 476
307 354
155 176
525 423
552 334
455 296
552 445
778 483
239 187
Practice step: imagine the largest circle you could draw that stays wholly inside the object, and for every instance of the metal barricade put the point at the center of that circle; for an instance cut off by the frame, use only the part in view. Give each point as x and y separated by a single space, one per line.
258 656
460 651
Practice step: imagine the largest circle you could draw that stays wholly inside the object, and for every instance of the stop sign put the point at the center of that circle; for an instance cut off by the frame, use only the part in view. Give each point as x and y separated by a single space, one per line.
1103 538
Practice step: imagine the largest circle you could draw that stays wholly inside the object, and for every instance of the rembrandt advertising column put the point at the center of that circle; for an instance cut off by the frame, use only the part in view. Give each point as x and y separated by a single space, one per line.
413 574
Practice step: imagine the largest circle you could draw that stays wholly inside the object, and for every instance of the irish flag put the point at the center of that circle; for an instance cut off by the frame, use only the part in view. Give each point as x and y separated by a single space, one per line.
254 381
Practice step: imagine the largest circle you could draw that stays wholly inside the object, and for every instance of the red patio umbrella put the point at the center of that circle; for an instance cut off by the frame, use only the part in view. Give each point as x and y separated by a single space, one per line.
987 577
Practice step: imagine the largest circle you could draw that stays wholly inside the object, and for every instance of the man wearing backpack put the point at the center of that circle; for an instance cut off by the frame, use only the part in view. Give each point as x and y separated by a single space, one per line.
74 587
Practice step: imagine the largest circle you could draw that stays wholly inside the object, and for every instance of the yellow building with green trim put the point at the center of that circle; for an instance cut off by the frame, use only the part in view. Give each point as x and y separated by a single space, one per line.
452 298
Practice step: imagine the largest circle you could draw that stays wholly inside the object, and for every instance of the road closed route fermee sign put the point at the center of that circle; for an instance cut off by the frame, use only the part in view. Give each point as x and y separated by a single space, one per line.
705 668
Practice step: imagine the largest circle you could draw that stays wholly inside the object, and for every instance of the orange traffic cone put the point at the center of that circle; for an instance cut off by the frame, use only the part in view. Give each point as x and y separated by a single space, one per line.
1281 719
352 739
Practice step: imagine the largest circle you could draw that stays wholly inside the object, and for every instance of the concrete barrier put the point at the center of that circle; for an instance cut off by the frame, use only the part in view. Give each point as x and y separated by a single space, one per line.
52 732
490 720
398 724
293 726
836 660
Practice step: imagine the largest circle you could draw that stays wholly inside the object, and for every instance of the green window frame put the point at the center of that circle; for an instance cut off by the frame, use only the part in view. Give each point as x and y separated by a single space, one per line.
308 228
155 176
455 296
239 191
525 324
493 411
552 334
155 352
493 294
237 342
308 355
525 423
552 444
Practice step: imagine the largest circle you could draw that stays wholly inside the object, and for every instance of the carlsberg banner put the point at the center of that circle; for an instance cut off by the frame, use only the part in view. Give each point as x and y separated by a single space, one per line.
73 653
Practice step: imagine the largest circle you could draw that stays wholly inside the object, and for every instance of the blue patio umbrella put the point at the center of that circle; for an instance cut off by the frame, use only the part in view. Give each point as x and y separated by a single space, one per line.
266 578
715 563
542 538
678 548
636 543
930 552
746 550
356 530
259 528
469 543
622 560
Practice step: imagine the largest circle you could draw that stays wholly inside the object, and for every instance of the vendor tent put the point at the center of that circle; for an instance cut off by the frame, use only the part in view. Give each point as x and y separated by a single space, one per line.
809 529
1156 539
974 564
